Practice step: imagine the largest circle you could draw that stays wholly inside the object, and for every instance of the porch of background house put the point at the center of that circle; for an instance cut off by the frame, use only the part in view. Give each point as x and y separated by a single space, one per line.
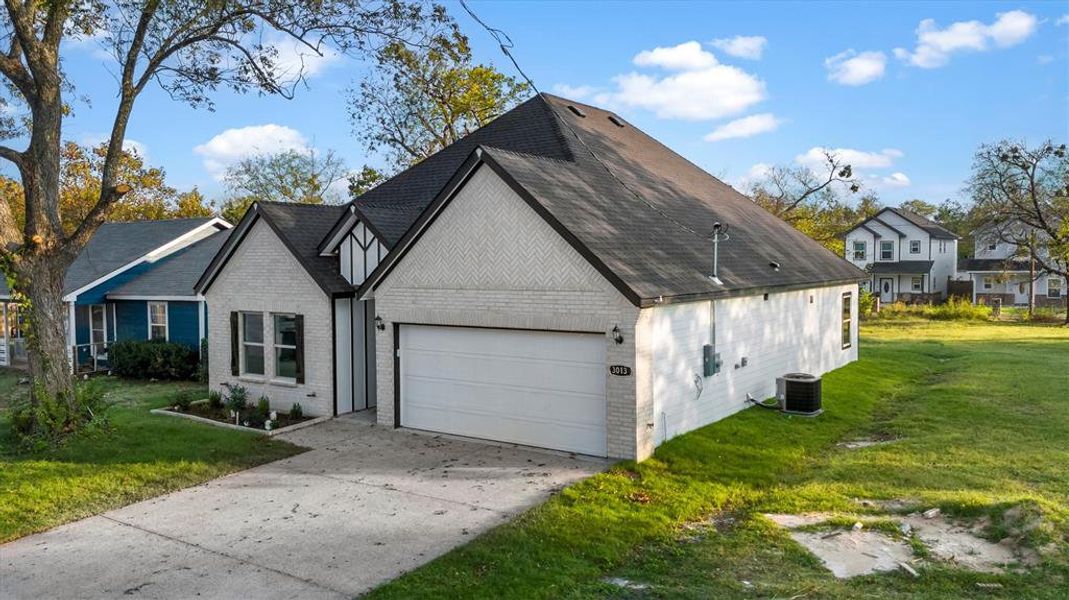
12 338
905 281
93 330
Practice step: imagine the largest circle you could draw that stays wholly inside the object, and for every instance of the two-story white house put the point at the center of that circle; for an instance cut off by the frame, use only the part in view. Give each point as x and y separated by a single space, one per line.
908 257
1000 270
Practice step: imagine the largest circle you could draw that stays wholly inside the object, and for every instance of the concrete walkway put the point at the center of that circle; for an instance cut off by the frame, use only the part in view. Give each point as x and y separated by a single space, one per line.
363 506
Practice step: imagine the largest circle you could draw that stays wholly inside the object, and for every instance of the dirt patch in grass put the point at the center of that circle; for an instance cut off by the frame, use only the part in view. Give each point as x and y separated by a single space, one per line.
901 542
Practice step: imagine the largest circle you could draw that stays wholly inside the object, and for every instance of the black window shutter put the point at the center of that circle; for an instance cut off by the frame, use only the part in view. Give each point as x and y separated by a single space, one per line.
299 321
234 344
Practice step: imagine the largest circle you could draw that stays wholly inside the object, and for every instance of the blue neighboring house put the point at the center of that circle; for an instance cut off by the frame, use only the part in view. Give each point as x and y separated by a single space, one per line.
132 281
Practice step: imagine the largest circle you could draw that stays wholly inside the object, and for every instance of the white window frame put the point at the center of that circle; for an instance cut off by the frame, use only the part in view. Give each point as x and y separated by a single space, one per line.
916 284
911 243
942 246
864 249
243 363
847 323
1057 285
987 282
103 323
166 320
890 249
276 345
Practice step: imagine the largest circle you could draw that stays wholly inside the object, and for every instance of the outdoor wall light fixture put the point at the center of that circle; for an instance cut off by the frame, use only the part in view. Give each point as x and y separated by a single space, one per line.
379 324
616 335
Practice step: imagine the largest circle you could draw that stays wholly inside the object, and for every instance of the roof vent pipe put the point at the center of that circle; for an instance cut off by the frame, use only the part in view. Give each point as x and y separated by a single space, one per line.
720 233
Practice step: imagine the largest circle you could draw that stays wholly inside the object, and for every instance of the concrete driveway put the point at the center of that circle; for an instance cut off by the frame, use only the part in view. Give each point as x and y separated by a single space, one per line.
362 507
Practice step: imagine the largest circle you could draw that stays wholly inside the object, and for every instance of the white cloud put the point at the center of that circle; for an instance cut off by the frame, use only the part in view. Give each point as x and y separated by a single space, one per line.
853 68
742 46
574 92
858 159
92 140
688 56
897 179
935 46
294 58
753 174
1044 59
1062 20
745 127
713 93
233 145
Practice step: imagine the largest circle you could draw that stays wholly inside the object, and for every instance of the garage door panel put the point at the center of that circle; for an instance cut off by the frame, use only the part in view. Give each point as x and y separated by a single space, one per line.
505 402
528 387
505 371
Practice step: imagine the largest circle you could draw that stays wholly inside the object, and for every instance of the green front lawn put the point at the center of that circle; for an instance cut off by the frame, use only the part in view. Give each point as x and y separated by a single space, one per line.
139 456
982 410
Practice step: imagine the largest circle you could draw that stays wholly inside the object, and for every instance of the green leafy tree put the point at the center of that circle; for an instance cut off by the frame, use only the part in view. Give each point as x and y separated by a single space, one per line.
149 198
190 48
811 199
289 176
920 207
1021 196
421 100
367 178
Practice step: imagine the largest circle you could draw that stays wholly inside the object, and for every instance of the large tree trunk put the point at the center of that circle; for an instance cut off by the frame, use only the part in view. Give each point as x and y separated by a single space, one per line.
47 314
41 268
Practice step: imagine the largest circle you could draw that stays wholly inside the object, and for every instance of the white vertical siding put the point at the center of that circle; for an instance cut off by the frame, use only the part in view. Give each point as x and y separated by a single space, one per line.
343 358
783 334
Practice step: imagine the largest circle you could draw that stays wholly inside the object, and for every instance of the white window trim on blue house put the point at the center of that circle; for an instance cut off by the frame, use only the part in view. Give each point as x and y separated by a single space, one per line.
166 320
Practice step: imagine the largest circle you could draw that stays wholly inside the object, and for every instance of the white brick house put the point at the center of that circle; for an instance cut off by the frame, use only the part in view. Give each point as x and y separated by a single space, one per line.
907 256
535 283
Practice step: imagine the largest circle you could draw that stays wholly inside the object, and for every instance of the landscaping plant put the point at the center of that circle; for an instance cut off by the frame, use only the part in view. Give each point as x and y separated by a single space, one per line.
143 359
46 421
296 412
215 400
236 399
184 399
264 407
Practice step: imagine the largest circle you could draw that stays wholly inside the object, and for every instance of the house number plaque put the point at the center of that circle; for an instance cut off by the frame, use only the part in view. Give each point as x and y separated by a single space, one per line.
620 370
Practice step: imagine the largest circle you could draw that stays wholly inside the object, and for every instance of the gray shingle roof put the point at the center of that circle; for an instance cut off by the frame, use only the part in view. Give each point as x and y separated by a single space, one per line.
302 227
622 196
176 274
116 244
393 206
934 229
913 267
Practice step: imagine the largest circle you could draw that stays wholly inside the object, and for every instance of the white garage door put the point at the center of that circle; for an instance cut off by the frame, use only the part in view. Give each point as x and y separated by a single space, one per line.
536 388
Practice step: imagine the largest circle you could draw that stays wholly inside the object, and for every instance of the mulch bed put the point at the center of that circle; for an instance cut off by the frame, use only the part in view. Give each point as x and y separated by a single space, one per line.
250 417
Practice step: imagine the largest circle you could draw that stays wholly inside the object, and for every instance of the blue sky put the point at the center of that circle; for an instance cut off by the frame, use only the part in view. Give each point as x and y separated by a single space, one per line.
905 90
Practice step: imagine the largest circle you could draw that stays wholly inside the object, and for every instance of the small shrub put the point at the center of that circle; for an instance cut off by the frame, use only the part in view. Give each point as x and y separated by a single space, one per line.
866 303
237 397
215 400
184 399
296 412
155 359
263 407
952 310
47 420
